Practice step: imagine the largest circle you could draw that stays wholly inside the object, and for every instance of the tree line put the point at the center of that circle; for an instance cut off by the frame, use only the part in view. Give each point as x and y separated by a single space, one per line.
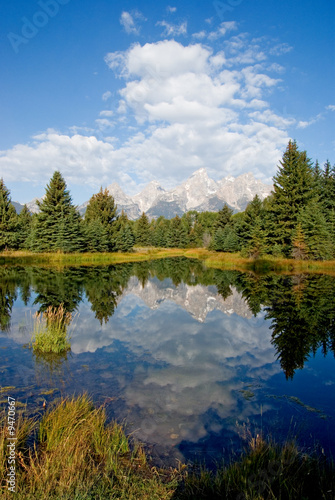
297 220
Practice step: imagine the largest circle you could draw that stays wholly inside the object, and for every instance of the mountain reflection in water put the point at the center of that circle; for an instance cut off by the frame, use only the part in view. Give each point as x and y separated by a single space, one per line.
180 352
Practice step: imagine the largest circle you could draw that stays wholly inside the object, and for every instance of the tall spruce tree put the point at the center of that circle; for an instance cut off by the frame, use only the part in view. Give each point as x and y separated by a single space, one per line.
142 231
102 208
223 217
177 234
124 235
316 233
24 223
294 189
57 226
8 219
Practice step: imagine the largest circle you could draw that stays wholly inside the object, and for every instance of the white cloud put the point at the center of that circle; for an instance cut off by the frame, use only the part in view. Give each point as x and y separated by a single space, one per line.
331 107
106 95
308 123
104 123
200 35
280 49
173 29
223 29
170 9
191 107
268 116
129 21
106 112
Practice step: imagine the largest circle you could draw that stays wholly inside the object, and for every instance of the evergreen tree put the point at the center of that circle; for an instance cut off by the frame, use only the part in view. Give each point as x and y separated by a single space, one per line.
24 223
57 226
101 207
294 189
299 250
160 231
96 236
231 241
8 220
124 235
177 235
143 231
223 217
315 230
244 224
328 197
258 241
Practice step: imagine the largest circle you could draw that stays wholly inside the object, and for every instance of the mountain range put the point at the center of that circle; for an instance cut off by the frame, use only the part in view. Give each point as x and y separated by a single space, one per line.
199 192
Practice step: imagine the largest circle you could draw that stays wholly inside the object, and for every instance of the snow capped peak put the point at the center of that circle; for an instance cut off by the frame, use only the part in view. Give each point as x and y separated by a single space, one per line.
199 192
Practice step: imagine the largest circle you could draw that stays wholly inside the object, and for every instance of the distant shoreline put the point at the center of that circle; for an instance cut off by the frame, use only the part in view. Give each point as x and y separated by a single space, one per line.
218 260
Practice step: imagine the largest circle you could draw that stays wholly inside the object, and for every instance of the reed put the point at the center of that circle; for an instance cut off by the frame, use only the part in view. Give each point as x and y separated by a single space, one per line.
50 331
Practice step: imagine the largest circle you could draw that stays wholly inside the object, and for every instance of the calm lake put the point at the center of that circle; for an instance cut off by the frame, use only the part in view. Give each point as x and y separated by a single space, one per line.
188 359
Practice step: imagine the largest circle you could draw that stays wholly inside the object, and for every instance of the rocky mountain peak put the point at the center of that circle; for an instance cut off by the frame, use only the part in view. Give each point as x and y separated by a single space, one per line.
198 192
148 195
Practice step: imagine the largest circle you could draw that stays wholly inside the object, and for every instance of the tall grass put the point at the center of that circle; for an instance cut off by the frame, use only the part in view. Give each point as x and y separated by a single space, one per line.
72 453
266 471
50 331
76 455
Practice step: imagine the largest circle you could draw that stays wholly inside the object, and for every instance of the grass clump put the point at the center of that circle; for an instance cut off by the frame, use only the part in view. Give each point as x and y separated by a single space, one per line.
266 471
50 332
76 455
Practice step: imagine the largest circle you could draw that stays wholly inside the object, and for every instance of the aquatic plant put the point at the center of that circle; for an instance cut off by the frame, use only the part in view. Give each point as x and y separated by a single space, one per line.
50 331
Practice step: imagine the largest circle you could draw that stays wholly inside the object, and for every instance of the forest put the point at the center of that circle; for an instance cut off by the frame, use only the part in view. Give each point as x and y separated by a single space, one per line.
296 221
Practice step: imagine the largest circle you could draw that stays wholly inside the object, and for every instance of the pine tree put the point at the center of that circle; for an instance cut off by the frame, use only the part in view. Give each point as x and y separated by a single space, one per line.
328 197
177 234
258 241
24 223
102 207
143 231
315 230
299 250
223 217
96 236
160 232
57 226
124 235
8 220
294 189
244 224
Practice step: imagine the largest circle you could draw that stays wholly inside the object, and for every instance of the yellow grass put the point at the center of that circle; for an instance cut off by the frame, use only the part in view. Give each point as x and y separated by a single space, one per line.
217 260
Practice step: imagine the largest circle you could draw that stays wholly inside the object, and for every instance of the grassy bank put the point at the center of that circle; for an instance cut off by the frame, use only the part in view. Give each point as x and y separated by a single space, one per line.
217 260
85 259
76 455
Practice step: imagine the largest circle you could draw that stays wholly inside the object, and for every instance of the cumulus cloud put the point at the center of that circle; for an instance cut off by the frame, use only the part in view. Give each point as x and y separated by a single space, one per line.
181 107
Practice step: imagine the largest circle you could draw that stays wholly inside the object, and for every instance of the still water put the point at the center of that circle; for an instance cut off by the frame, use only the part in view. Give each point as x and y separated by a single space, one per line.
188 359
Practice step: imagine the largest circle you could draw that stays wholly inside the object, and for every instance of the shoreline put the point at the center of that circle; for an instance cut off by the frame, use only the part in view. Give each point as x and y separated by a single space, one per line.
218 260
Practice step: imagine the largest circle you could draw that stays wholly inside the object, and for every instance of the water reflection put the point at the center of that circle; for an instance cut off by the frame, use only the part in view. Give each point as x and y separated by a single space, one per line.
180 351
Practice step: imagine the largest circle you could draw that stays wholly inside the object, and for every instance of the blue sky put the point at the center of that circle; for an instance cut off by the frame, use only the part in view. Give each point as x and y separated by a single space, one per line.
130 92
